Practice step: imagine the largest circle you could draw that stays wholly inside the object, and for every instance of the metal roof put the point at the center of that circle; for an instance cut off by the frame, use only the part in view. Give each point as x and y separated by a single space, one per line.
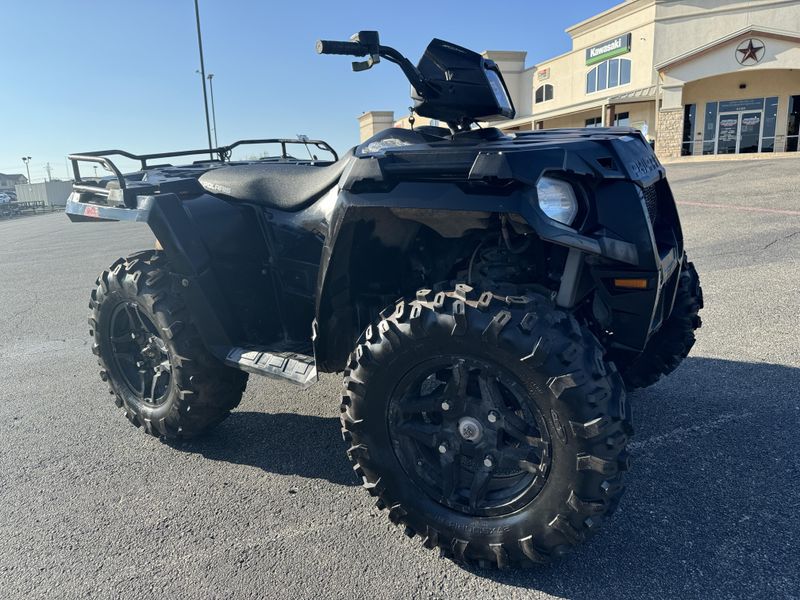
640 95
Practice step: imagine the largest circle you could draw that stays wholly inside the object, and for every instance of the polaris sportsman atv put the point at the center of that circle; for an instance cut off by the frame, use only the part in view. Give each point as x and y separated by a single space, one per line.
489 297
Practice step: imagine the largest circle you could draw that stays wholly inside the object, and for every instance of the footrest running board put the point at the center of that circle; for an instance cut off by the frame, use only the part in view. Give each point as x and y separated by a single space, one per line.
298 369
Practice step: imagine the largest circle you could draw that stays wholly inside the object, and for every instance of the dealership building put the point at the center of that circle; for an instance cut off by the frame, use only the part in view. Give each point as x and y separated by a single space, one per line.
697 77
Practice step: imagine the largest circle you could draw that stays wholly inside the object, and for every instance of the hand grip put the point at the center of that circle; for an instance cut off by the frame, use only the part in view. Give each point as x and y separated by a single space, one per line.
347 48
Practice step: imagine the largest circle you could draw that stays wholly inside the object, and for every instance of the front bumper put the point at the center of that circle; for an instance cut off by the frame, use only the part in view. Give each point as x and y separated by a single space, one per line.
634 315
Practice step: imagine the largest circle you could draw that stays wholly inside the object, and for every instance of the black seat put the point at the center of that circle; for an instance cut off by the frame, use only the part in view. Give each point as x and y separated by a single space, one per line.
283 186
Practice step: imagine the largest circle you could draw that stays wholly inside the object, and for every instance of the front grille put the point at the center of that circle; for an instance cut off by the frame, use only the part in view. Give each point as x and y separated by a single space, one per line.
651 202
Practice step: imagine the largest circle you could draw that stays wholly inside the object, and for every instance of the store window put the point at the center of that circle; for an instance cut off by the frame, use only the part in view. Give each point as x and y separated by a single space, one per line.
770 121
544 93
689 116
793 124
602 76
741 126
594 122
608 74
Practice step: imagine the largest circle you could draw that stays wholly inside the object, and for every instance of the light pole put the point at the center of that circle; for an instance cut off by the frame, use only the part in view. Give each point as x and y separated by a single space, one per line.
213 110
203 74
26 160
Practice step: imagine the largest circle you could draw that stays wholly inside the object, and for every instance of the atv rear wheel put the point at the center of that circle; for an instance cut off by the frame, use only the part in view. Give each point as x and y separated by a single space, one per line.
488 425
672 343
151 354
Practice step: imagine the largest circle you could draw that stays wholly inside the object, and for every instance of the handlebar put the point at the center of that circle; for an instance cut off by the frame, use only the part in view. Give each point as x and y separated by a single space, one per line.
345 48
367 44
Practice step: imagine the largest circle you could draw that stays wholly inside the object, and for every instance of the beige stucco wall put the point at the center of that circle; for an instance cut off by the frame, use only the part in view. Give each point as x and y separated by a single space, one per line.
568 71
571 120
374 121
638 112
679 26
631 13
778 54
759 84
683 25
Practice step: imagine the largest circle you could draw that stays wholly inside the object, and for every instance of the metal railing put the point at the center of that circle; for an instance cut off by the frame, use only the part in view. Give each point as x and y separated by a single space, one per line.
222 153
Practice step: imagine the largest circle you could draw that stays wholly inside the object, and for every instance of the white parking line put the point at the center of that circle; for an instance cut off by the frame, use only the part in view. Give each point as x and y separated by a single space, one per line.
679 434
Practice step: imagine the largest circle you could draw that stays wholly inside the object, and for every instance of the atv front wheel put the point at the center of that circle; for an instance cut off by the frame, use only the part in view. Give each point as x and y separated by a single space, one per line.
151 354
490 426
672 343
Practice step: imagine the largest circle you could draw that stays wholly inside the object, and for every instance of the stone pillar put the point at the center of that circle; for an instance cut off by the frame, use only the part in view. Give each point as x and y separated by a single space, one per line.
609 116
669 133
373 122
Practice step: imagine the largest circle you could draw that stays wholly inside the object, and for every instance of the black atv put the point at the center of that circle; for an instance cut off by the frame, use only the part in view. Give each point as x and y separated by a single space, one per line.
489 297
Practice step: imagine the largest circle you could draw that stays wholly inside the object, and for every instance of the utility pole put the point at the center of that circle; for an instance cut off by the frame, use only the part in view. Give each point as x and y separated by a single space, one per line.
213 110
203 74
48 168
26 160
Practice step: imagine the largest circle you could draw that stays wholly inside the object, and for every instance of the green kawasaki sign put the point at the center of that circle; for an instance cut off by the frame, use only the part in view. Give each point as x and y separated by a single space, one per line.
610 49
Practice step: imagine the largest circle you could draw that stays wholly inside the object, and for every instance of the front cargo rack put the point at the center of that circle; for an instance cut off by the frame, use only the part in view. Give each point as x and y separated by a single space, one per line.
220 155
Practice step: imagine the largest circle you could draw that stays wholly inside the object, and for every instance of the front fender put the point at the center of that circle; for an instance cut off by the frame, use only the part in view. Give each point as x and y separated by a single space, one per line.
335 320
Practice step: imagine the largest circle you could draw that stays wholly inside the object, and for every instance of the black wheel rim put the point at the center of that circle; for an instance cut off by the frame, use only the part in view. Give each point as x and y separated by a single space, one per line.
469 435
140 355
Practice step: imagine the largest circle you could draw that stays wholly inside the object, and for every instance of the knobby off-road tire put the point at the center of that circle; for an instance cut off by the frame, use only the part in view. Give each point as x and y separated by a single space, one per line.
556 414
151 354
672 343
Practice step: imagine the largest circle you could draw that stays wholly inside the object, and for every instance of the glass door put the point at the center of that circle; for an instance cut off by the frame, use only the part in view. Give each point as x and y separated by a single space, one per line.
728 133
749 132
793 125
739 132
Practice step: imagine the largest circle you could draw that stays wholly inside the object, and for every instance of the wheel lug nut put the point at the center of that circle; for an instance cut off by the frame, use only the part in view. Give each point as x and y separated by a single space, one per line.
445 405
488 462
442 448
492 417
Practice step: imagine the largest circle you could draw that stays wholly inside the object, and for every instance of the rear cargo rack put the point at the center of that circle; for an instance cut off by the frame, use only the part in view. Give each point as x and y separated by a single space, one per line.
221 154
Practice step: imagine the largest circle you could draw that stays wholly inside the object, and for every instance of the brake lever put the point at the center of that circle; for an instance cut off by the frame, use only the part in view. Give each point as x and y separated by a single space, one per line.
363 65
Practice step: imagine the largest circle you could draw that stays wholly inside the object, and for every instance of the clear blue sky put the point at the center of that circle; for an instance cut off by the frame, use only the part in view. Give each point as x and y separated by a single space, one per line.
85 75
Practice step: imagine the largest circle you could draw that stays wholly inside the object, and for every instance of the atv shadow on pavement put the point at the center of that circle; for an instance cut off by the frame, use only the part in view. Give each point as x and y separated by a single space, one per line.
712 496
271 441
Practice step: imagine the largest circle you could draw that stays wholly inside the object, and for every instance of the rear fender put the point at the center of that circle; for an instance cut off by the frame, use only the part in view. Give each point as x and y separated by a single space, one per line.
170 219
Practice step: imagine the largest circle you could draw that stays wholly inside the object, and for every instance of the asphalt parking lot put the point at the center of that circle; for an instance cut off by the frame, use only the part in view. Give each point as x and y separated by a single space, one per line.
267 506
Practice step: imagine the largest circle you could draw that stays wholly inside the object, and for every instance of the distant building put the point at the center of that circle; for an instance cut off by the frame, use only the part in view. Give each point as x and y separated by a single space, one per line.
7 182
696 76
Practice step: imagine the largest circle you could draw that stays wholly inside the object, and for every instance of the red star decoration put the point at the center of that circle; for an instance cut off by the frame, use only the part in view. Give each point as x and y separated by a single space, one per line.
750 52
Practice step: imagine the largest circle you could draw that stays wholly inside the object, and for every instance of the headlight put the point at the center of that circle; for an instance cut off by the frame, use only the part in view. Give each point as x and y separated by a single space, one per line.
557 200
381 145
